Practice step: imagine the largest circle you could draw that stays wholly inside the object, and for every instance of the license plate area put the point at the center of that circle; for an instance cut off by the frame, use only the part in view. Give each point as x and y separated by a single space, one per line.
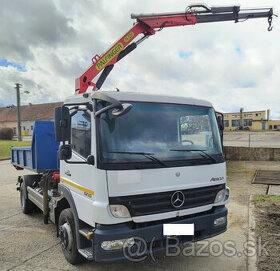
178 230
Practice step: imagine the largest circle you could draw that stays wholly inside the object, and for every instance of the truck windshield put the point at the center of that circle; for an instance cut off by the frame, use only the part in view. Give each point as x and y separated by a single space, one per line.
175 135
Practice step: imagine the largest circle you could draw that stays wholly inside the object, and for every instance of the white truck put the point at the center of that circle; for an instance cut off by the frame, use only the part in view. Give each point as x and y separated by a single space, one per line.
130 163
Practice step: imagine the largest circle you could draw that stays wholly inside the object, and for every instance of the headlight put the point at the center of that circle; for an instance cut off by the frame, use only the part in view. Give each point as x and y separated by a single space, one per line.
119 211
220 221
117 244
222 195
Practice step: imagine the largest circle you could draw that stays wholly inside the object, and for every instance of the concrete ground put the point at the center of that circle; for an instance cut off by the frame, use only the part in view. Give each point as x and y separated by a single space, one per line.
257 139
28 244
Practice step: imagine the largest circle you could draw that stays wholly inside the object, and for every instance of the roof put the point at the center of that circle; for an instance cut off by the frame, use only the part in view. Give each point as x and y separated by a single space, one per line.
144 97
29 112
245 112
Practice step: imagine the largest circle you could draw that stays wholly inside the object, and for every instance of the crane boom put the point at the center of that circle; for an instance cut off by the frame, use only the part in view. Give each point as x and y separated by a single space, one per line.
148 24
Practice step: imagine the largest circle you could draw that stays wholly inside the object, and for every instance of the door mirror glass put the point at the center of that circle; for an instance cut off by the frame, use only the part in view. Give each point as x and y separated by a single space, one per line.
62 124
64 152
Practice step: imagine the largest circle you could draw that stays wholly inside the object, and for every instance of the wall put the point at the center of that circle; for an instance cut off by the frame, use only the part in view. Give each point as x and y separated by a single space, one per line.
274 125
26 126
252 154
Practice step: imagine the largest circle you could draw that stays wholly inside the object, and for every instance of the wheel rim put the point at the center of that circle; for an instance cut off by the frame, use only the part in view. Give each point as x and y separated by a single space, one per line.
66 237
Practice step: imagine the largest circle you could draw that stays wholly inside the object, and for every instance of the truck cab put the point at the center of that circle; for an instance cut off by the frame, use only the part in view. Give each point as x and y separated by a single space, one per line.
133 162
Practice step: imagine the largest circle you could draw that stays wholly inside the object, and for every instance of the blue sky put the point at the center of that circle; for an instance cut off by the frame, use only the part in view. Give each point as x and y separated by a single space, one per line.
5 63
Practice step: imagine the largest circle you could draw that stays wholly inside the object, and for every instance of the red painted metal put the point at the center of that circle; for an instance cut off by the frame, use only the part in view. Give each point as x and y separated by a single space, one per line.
56 176
145 26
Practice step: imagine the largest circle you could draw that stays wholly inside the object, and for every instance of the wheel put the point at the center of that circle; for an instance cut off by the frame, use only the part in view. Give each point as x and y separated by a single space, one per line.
67 234
27 206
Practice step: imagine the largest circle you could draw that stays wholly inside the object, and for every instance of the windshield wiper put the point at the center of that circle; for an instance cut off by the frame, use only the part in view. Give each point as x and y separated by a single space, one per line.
146 154
203 151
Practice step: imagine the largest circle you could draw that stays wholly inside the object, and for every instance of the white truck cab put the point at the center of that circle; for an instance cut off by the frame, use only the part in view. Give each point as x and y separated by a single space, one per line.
154 159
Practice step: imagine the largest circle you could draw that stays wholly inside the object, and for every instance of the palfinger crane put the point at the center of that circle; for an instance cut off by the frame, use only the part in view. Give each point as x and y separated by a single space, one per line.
149 24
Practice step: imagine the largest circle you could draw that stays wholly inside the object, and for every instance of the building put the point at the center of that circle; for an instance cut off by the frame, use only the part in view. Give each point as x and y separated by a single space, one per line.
28 113
253 120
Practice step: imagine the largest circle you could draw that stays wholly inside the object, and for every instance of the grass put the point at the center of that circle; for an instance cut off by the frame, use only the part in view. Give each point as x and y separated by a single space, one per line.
266 198
5 147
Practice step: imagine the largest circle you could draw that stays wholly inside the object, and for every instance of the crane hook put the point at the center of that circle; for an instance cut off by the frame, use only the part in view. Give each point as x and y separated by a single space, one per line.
270 19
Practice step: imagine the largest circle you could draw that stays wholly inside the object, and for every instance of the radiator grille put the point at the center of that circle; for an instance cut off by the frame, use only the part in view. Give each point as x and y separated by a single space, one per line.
147 204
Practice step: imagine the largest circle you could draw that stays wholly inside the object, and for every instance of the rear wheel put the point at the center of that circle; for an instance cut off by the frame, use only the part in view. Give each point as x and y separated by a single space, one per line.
67 234
26 205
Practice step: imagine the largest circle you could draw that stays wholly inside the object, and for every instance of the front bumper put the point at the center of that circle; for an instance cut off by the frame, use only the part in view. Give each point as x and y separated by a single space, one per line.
152 233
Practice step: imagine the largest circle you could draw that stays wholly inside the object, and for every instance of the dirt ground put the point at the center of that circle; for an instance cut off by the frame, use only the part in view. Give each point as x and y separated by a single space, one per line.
267 212
28 244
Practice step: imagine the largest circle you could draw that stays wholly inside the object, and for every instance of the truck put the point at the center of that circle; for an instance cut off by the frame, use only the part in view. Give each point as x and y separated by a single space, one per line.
115 168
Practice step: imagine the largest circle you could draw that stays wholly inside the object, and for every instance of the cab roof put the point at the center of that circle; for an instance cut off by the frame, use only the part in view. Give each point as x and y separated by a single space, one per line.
141 97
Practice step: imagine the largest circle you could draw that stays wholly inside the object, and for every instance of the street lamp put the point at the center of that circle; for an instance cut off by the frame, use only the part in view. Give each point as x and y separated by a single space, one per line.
17 87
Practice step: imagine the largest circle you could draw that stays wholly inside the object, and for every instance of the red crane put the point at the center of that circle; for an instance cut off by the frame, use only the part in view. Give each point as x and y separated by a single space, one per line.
149 24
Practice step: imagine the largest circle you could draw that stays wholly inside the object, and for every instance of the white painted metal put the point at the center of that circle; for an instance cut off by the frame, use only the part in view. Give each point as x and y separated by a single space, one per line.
143 181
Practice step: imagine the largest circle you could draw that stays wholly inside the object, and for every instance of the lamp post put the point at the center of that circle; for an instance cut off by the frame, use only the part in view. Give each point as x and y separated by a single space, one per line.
17 87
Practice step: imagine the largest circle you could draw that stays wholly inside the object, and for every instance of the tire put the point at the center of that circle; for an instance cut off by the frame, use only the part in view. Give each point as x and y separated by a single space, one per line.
67 234
27 206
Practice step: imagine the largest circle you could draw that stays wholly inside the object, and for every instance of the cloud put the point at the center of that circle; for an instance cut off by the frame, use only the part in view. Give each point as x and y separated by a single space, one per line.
231 65
25 25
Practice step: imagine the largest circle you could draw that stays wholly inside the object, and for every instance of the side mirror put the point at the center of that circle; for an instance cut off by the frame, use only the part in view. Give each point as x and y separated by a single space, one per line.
220 122
64 152
62 124
119 112
90 160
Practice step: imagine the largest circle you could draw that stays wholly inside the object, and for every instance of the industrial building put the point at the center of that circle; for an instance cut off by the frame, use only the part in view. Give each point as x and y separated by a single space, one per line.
251 120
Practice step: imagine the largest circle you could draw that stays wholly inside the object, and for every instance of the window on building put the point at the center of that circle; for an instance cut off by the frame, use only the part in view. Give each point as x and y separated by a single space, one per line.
225 116
23 128
247 115
31 127
247 122
270 127
226 123
275 126
15 130
81 133
235 123
258 114
236 116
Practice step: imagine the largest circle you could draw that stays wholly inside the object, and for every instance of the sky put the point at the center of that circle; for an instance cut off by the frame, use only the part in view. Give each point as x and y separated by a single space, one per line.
45 45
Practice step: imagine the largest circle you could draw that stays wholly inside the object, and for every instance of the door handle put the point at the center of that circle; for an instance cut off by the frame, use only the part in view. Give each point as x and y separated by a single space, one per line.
67 172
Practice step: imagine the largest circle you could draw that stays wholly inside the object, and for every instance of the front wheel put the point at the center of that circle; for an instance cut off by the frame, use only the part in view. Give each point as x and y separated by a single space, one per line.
67 234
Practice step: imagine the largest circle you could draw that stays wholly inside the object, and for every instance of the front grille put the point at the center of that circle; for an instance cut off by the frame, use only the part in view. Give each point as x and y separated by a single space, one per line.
147 204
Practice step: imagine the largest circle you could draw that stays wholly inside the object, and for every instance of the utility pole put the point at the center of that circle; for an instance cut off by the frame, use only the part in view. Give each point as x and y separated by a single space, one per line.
241 120
17 87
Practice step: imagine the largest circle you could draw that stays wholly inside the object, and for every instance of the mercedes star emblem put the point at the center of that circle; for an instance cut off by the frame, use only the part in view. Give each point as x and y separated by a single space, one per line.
177 199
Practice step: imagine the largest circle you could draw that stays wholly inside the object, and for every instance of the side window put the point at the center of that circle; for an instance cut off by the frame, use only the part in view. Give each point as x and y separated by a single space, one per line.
81 133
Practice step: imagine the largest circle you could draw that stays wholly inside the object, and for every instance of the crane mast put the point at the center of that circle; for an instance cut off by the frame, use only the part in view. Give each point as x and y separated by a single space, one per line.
149 24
